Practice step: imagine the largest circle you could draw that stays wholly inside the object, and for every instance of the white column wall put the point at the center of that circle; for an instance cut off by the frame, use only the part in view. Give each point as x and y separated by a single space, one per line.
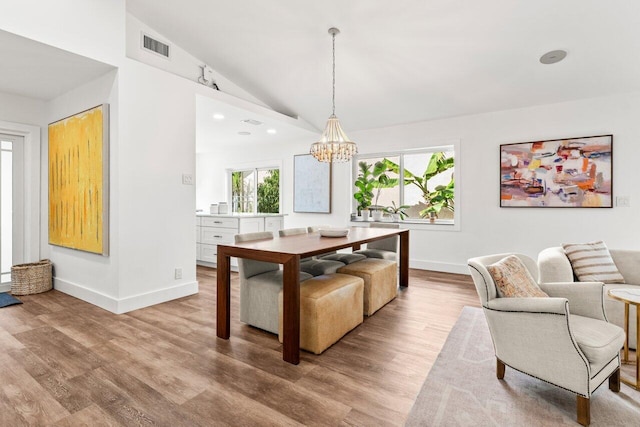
156 211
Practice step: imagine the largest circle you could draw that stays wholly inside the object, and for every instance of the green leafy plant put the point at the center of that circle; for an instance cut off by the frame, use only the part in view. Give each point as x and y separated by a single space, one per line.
442 197
397 210
269 193
369 180
364 184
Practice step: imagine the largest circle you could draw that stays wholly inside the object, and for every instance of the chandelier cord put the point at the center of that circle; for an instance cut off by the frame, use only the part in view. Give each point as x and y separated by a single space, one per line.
333 99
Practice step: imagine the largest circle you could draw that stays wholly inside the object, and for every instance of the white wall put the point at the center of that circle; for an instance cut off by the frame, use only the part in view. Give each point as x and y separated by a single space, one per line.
88 276
212 185
484 227
19 109
181 62
151 143
156 211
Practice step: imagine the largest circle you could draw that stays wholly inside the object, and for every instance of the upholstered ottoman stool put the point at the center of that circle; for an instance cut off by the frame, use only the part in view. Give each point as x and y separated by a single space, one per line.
330 306
380 281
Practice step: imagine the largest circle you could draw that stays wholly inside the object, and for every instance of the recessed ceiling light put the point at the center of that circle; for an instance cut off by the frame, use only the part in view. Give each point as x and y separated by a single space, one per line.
553 56
218 116
272 131
244 133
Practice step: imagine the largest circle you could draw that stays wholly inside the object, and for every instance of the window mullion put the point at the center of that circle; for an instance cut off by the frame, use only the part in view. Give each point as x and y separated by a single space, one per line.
255 190
401 180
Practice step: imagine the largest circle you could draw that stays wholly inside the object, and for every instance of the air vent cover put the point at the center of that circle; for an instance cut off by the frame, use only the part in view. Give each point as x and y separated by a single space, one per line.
251 122
155 46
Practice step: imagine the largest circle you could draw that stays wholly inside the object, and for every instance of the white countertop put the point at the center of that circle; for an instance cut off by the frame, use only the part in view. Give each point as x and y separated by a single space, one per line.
238 215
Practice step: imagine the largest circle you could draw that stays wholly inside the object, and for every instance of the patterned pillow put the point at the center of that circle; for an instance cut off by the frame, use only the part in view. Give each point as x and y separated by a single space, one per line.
592 262
513 279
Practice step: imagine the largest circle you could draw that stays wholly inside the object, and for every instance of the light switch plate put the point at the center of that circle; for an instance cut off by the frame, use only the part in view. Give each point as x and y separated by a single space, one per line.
187 179
623 201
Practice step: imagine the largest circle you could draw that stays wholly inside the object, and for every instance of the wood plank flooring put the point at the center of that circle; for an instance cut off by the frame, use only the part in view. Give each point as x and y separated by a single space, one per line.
64 362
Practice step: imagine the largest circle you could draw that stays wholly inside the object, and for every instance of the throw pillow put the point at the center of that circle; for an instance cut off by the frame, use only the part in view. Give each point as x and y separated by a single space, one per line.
592 262
513 279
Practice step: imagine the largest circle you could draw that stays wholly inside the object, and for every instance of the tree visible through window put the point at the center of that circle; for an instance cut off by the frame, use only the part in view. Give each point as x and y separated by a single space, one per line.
255 191
426 190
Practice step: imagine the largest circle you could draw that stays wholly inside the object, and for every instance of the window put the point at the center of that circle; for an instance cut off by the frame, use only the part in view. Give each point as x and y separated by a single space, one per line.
255 190
427 192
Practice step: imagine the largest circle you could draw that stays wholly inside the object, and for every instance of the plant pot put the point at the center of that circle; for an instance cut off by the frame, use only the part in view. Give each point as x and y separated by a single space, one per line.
432 217
377 215
365 214
395 217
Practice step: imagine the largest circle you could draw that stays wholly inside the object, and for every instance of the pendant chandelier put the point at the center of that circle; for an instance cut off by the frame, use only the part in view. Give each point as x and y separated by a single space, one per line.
334 144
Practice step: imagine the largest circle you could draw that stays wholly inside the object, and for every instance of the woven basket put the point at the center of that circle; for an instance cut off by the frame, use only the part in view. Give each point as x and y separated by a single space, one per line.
27 279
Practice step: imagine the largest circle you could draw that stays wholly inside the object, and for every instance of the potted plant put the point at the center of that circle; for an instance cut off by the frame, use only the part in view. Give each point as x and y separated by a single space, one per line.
397 212
364 183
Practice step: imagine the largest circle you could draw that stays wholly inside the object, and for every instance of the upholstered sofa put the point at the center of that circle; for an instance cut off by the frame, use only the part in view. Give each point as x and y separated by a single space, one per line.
554 266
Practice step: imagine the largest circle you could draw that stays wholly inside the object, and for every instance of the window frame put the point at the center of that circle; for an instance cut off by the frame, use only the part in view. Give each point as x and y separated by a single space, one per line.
416 223
254 169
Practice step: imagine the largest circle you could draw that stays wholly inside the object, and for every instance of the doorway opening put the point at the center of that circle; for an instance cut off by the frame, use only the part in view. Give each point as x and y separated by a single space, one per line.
11 200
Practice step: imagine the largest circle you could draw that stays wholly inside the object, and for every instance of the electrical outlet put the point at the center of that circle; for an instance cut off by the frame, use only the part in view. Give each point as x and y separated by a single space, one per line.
623 202
187 179
178 273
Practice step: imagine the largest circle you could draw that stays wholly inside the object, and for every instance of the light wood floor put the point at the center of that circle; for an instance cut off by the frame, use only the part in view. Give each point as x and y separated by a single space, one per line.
64 362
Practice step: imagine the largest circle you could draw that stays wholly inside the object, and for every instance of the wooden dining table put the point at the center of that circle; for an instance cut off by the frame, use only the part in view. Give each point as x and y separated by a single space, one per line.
288 251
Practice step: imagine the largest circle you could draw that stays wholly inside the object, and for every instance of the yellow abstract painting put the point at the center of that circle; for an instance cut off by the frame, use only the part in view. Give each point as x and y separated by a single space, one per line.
78 181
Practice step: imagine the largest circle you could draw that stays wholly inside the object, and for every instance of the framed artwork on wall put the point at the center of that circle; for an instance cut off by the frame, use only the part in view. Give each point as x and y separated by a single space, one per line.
311 185
79 181
558 173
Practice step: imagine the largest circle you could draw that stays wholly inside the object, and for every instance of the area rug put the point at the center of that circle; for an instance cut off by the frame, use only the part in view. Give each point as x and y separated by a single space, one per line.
462 389
8 299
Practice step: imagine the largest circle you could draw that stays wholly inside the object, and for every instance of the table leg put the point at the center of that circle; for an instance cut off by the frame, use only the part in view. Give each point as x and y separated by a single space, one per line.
404 258
291 310
223 297
626 333
637 345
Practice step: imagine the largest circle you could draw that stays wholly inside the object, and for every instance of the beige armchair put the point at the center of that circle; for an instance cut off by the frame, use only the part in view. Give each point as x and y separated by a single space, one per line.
260 284
385 248
564 340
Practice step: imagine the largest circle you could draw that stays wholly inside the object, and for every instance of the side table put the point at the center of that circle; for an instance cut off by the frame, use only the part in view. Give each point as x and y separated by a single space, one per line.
629 296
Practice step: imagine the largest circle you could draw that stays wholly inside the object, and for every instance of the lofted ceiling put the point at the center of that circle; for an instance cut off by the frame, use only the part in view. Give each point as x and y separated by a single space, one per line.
409 60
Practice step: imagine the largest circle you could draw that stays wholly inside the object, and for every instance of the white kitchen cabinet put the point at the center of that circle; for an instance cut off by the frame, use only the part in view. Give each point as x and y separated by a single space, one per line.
212 230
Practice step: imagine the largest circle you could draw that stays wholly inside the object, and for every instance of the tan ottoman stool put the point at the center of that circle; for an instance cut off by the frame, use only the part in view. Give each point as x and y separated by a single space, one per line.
330 306
380 281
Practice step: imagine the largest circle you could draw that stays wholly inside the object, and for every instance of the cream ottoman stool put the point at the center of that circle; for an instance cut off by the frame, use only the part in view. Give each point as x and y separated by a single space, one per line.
380 281
330 306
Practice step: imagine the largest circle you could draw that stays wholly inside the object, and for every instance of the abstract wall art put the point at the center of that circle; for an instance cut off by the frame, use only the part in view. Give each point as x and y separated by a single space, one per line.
559 173
311 185
79 181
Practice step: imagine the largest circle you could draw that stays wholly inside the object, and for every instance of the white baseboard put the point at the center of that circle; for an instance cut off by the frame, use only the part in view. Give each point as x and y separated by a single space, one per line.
6 287
124 305
446 267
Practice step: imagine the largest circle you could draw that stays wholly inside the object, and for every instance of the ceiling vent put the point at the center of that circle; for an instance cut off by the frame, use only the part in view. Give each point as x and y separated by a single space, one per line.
152 45
251 122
